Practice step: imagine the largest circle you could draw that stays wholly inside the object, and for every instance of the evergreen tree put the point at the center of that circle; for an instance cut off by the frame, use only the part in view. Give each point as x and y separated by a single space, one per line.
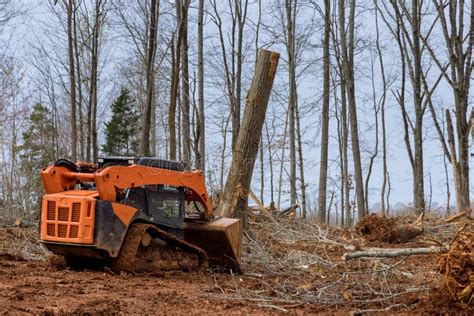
37 152
121 132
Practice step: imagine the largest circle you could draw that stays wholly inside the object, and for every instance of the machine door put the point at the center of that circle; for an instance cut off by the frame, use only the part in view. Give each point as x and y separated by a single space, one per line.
165 204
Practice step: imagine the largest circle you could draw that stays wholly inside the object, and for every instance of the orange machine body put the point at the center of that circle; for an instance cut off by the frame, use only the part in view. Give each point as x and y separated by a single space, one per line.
86 212
115 179
69 216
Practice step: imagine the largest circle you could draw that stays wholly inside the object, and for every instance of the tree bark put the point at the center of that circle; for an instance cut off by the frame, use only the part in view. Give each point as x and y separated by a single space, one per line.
235 195
292 99
347 48
241 17
185 124
301 162
201 159
175 62
82 131
323 166
150 78
418 179
382 118
94 76
70 6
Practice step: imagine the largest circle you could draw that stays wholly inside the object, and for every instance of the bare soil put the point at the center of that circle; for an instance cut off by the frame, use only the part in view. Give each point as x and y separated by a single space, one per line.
291 267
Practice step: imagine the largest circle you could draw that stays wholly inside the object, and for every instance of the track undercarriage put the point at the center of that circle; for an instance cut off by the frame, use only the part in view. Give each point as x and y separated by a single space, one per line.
147 248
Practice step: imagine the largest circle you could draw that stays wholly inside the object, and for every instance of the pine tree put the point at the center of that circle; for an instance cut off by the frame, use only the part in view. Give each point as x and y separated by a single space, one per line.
37 152
122 131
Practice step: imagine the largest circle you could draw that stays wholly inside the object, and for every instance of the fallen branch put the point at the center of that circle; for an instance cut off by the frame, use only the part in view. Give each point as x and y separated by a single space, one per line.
288 210
457 216
261 207
391 253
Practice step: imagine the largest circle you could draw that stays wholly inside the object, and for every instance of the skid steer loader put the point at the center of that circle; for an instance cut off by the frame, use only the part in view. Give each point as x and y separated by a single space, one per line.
136 214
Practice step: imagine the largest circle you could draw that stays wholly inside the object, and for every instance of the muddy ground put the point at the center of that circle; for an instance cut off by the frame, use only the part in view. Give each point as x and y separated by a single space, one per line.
291 267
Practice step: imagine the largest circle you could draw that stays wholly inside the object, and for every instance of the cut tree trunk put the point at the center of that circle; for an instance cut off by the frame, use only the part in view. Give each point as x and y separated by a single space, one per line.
391 253
235 195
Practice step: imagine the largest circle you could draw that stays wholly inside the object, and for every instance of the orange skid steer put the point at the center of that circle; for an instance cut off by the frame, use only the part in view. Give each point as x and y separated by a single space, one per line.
136 214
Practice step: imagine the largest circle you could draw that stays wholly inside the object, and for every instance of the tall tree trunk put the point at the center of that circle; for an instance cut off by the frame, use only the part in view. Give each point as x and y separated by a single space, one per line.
282 159
150 78
347 48
185 124
270 162
290 46
418 190
70 7
382 114
175 62
323 166
82 131
235 195
301 162
241 14
345 150
454 161
201 159
94 76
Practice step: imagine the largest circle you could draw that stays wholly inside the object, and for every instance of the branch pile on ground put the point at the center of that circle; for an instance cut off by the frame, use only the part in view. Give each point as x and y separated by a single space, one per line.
377 227
21 243
457 266
289 263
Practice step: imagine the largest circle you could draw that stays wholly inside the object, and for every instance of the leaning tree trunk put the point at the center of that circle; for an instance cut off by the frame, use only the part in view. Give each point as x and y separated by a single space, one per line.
235 195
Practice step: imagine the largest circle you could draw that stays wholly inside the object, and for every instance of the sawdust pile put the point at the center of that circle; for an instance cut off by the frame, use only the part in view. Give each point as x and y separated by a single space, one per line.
457 266
377 227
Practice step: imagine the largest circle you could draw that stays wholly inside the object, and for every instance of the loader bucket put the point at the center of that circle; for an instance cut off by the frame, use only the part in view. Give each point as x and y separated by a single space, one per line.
220 239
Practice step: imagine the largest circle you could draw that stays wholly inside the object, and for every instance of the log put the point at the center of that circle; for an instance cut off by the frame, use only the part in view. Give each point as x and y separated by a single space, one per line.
235 195
288 210
391 253
457 216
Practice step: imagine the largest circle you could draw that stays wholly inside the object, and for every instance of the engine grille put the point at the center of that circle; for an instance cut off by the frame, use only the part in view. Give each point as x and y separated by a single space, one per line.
68 219
51 210
76 212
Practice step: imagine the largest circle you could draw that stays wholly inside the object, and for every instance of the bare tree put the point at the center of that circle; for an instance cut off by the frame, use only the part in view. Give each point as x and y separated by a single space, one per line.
383 205
99 15
185 123
201 130
290 11
323 166
232 56
70 7
459 45
150 77
347 50
407 34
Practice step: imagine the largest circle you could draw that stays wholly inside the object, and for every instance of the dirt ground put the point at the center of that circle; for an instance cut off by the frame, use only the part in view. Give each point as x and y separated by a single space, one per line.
291 267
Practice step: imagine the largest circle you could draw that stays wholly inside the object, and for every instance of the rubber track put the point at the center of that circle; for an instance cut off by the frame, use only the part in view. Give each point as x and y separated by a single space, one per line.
128 251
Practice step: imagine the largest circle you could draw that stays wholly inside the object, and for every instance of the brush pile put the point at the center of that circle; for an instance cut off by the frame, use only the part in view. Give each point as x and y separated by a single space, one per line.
457 266
377 227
